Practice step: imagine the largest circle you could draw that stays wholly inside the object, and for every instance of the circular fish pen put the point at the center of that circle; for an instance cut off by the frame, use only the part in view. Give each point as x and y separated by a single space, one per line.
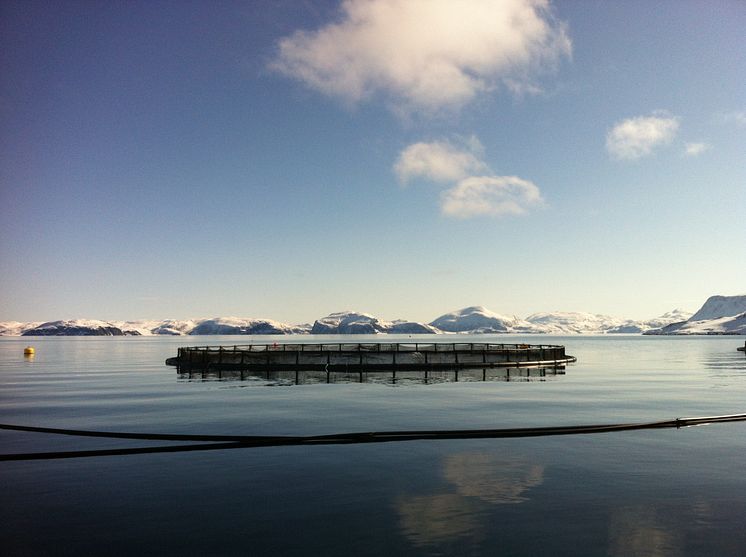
411 357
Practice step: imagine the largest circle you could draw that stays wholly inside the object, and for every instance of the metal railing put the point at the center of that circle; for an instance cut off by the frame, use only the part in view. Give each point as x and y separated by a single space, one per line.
374 347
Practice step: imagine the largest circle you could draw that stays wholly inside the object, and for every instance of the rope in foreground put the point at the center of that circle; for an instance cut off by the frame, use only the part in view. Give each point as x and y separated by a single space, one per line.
223 442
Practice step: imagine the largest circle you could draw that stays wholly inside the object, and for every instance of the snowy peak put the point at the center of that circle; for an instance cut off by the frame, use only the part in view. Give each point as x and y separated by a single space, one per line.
241 326
720 306
668 318
676 315
347 322
730 325
353 322
720 315
173 327
574 322
475 318
77 327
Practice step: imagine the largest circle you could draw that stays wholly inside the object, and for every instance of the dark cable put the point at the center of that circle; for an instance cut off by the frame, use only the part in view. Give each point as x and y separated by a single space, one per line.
221 442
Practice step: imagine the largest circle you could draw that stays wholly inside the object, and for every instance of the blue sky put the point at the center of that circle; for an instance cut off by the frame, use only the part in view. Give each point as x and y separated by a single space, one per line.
289 159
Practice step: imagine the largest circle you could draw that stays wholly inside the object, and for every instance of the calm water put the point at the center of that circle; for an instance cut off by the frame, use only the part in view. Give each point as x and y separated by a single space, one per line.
657 492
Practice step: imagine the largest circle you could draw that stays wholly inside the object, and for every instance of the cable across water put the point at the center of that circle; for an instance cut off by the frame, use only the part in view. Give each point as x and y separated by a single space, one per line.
223 442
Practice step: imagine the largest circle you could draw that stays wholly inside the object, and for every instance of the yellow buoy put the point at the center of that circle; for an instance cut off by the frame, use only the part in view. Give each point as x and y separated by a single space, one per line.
28 351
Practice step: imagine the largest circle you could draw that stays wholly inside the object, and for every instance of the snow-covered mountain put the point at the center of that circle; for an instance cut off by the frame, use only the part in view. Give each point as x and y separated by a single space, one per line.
77 327
352 322
173 327
16 328
573 322
630 326
478 319
720 306
729 325
241 326
347 322
720 315
674 316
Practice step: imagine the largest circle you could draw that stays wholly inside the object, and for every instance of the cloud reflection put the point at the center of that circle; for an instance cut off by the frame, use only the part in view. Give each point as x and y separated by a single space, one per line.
435 519
480 480
640 531
496 480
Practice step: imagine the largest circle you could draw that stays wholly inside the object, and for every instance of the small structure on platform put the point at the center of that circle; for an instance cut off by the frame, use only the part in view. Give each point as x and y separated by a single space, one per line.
367 357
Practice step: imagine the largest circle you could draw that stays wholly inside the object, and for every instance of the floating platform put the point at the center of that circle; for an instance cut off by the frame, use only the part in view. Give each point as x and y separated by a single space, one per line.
368 357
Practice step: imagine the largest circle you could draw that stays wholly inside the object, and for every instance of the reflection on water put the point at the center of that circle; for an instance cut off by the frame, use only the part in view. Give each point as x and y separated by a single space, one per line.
436 519
665 528
473 510
304 377
639 531
703 514
481 480
731 362
494 479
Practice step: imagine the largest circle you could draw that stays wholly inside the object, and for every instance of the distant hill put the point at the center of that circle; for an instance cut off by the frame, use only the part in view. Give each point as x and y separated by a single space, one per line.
352 322
242 326
77 327
477 319
720 315
472 319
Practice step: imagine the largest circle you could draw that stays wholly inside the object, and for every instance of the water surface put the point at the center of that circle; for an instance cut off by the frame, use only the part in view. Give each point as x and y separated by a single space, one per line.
653 492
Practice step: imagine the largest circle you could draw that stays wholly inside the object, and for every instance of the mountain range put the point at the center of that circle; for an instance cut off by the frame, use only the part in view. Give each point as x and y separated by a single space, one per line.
719 315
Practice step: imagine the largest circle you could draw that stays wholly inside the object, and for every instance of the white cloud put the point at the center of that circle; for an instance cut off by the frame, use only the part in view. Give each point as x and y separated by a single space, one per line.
737 117
694 149
637 137
439 161
470 195
426 54
490 196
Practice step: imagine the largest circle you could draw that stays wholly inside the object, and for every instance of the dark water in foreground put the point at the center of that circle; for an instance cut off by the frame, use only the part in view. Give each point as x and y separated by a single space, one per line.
652 492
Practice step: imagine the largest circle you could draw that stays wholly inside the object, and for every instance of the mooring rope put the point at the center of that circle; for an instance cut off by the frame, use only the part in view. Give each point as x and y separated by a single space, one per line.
222 442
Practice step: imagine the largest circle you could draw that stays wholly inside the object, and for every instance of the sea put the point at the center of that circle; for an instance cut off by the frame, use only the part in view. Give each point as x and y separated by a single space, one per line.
656 492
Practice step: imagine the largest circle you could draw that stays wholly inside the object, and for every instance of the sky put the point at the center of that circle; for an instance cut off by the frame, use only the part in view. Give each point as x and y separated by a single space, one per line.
405 158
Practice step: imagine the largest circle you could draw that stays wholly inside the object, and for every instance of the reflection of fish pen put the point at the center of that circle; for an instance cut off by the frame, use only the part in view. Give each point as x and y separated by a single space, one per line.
362 357
427 377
